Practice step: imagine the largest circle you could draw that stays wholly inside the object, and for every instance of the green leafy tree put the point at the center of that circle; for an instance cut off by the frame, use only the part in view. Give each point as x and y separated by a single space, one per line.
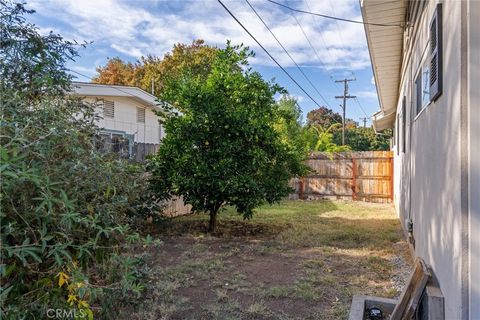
288 123
364 139
223 149
323 117
64 207
357 138
184 61
320 139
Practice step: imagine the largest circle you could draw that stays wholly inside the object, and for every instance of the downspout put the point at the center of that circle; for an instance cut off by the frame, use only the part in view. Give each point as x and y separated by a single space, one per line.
409 222
464 151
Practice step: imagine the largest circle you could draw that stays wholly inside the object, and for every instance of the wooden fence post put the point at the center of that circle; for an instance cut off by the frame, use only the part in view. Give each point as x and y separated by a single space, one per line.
354 179
300 188
391 178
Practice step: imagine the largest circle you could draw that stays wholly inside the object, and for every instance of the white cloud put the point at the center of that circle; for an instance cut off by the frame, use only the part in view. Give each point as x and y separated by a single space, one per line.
136 28
299 98
367 94
90 72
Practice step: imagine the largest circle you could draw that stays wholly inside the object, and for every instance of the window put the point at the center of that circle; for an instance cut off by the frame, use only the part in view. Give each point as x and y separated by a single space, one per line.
428 83
114 142
108 109
422 88
425 86
140 115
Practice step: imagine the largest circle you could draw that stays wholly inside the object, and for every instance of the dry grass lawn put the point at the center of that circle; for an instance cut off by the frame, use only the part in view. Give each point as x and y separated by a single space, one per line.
294 260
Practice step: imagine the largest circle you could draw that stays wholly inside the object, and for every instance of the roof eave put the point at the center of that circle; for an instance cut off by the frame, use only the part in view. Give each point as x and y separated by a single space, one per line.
386 59
134 93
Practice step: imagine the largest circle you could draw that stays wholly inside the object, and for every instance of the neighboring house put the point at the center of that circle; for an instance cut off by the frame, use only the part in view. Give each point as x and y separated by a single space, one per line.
427 74
127 118
129 125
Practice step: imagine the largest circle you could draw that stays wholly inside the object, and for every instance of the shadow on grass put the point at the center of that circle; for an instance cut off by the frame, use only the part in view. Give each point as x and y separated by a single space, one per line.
226 228
267 221
293 224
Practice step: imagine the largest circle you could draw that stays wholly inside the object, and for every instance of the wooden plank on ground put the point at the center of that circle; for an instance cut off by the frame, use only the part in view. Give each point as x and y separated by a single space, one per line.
412 293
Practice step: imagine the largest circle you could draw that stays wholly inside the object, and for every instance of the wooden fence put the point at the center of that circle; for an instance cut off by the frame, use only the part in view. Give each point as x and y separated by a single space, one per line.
176 207
362 176
141 150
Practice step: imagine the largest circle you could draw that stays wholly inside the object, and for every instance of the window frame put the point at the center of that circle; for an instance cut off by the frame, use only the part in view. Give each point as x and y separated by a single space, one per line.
419 105
122 147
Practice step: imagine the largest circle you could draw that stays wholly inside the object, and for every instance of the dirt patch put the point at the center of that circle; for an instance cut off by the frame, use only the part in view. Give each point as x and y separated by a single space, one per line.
290 262
271 269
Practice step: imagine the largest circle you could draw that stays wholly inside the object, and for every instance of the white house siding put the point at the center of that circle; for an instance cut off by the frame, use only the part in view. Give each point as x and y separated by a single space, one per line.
427 176
125 119
474 156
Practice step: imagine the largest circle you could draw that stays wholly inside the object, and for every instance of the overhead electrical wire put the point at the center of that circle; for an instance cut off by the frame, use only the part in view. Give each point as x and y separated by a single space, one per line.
268 53
322 38
361 107
108 85
337 26
288 54
311 45
336 18
116 88
315 51
261 46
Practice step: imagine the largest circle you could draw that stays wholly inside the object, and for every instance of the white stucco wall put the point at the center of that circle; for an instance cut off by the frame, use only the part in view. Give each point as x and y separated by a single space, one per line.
427 176
474 156
125 119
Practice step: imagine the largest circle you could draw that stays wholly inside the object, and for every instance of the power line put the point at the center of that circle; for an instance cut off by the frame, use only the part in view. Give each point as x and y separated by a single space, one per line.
361 107
116 87
108 85
311 45
321 37
338 29
336 18
268 53
288 54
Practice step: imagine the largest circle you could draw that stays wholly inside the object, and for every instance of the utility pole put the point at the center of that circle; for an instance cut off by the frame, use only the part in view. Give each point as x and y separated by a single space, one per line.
344 107
364 121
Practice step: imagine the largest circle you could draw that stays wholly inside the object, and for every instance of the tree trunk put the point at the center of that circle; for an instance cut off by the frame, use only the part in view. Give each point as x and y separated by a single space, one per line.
212 225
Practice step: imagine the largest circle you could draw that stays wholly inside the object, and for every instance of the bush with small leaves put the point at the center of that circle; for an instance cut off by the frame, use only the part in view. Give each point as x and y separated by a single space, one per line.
65 207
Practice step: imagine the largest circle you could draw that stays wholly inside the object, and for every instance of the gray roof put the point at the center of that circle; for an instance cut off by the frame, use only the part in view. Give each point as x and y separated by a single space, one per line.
84 89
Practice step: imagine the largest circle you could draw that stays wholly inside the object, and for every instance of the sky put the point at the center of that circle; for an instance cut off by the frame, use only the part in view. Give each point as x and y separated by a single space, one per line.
326 50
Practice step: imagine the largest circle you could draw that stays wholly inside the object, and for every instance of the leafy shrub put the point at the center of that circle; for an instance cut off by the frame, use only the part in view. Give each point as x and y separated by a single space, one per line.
224 148
65 207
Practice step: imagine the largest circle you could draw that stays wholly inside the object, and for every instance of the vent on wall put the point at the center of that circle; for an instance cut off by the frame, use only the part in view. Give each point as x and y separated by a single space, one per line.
108 109
140 115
